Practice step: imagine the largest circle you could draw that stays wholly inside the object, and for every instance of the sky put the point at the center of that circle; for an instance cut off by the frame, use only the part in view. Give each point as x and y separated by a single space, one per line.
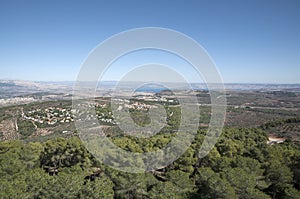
249 41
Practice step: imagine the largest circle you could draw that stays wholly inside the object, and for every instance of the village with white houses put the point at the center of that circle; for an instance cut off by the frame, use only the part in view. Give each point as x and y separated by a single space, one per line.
50 115
55 115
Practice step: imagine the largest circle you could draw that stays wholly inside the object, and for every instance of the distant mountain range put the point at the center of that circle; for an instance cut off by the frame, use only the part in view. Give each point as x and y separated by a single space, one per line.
12 88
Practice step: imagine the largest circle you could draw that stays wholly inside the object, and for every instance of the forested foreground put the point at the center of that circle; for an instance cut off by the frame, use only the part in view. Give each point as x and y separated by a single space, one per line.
241 165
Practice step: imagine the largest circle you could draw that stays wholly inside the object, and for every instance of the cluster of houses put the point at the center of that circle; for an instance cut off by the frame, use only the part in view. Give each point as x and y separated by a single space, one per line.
16 100
154 98
123 103
101 115
50 115
54 115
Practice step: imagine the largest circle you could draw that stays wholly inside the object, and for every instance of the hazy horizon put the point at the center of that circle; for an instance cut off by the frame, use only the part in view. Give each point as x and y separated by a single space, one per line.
73 81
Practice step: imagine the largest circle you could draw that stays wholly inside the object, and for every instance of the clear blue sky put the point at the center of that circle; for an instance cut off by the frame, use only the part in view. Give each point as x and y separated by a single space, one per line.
250 41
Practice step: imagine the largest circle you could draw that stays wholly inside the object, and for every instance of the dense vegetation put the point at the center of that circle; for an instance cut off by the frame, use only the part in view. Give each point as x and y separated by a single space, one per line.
45 160
241 165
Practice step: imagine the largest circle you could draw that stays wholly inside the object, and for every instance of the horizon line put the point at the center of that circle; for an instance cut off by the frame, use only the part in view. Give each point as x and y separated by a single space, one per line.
72 81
